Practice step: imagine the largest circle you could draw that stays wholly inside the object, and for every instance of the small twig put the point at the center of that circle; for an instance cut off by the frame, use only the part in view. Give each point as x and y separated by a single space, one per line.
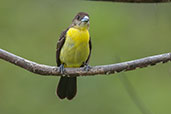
131 91
133 94
135 1
103 69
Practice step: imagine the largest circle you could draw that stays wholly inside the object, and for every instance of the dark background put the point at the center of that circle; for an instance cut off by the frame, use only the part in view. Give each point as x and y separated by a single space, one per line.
31 28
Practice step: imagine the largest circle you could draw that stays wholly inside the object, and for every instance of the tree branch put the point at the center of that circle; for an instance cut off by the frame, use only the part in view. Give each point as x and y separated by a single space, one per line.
103 69
135 1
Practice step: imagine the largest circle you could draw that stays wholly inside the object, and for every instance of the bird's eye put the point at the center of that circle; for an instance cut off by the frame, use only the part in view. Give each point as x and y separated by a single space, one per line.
78 17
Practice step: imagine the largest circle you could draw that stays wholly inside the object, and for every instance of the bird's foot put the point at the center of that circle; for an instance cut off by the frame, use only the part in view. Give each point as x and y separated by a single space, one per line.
62 69
87 67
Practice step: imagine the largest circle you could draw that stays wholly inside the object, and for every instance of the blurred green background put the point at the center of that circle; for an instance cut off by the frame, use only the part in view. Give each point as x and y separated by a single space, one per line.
31 28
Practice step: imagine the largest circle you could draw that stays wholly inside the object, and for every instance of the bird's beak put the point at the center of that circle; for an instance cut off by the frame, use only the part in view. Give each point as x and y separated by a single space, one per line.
85 19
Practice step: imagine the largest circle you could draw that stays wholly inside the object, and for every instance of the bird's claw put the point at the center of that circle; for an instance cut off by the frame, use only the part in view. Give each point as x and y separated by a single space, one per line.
61 69
87 67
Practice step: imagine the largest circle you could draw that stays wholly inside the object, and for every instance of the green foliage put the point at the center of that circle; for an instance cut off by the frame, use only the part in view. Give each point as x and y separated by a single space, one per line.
31 29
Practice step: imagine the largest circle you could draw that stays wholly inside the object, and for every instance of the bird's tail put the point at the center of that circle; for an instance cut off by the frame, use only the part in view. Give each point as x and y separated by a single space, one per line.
67 87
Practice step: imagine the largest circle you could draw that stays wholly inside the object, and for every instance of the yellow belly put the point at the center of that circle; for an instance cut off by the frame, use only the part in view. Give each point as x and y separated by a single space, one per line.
75 50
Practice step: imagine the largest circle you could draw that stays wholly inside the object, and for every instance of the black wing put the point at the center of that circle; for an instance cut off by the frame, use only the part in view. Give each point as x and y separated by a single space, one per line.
90 46
60 44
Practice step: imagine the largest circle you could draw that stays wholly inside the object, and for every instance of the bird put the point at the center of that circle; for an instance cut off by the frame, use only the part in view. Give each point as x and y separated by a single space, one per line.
73 51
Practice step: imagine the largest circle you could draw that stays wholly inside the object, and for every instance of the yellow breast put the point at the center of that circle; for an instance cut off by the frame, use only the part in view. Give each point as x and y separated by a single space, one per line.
75 50
78 35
